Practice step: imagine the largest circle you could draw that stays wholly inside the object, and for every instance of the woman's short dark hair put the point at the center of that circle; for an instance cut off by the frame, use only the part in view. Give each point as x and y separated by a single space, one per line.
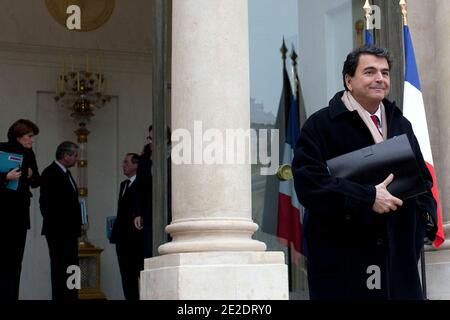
351 63
20 128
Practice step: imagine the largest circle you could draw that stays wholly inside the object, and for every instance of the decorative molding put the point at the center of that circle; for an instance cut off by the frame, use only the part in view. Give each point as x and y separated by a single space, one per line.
52 57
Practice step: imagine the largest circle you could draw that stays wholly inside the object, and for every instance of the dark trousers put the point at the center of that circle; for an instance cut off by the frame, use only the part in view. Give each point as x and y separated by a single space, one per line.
148 240
63 252
131 261
13 247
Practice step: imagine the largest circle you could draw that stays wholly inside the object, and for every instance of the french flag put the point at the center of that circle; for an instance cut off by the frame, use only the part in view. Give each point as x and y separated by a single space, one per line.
289 223
414 111
368 37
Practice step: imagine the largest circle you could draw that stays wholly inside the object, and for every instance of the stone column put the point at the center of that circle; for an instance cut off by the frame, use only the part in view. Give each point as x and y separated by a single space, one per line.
438 262
212 254
430 28
442 78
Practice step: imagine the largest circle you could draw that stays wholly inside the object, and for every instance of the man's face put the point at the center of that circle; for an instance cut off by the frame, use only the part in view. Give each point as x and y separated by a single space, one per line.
150 139
129 168
70 160
371 82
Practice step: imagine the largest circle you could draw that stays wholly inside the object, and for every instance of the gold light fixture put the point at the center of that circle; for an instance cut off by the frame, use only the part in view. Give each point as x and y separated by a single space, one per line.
82 92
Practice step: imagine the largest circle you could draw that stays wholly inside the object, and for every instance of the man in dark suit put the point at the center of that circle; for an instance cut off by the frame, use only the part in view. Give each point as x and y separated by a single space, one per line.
144 182
143 202
362 242
61 211
129 240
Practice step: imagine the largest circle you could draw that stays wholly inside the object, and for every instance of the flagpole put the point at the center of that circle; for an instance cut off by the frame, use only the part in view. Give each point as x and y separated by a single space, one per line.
294 57
423 272
368 9
298 89
367 32
294 69
284 51
289 258
404 7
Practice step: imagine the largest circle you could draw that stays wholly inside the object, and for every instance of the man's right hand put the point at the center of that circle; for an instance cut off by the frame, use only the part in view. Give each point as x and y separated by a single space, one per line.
138 223
384 201
14 174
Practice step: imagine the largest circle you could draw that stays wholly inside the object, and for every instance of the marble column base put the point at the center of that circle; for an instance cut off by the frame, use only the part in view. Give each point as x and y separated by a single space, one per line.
215 276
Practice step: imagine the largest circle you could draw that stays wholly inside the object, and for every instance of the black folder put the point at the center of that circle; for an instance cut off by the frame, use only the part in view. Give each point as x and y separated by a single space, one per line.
373 164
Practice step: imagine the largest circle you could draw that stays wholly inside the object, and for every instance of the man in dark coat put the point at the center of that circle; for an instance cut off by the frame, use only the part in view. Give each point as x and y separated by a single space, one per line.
144 181
361 241
129 241
61 225
143 211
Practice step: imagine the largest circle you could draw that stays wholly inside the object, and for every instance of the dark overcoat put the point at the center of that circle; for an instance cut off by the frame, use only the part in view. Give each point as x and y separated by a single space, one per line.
346 242
144 195
143 200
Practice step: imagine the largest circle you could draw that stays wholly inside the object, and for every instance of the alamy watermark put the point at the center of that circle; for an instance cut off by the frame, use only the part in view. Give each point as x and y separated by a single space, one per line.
234 146
375 18
374 280
74 278
73 21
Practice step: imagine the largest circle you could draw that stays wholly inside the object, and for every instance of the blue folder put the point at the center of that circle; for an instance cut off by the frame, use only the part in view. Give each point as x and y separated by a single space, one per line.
109 225
8 162
83 211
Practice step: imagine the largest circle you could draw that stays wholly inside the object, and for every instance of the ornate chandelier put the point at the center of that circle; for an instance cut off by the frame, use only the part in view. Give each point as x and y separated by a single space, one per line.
81 92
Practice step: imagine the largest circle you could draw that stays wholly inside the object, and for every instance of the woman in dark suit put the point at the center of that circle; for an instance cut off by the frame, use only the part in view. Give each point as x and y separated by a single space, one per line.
15 205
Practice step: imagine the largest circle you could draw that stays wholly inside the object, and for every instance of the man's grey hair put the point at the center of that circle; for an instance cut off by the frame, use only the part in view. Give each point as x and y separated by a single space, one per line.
66 147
